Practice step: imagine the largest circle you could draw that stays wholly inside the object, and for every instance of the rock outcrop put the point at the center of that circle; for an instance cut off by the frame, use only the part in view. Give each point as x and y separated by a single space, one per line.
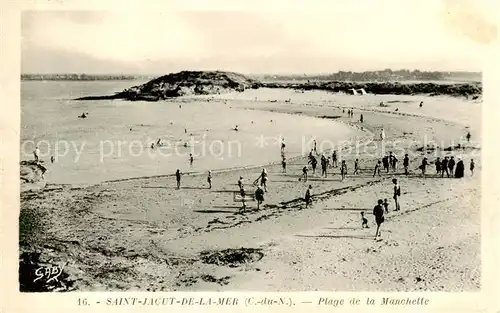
184 83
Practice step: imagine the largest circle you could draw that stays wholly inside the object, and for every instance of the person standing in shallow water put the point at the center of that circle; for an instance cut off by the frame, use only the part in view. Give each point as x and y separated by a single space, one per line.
378 211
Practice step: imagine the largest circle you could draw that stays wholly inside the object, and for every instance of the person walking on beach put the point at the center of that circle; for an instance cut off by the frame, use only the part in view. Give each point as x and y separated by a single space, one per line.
451 165
263 179
334 158
378 211
283 163
468 136
423 166
382 135
356 167
361 118
314 146
391 157
438 166
459 170
377 169
313 163
242 194
259 196
472 165
396 194
385 162
282 145
343 169
209 179
308 196
406 163
178 178
444 167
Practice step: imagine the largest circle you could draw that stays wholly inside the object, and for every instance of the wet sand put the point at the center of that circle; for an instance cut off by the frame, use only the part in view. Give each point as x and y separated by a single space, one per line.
143 234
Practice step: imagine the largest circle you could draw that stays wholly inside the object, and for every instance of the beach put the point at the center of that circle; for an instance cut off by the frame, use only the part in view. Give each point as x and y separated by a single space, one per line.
136 231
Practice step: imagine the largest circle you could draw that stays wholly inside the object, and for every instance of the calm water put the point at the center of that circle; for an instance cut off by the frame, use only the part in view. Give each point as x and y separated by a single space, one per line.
114 141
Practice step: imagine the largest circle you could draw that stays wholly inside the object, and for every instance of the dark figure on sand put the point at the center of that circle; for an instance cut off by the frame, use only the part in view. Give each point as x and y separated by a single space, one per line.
451 165
377 169
468 136
263 179
361 118
386 206
459 170
385 162
438 166
209 179
240 182
191 159
364 220
394 163
283 164
334 158
308 196
324 164
396 194
423 166
259 196
356 167
304 174
472 165
378 211
242 194
343 169
406 163
444 167
313 162
178 178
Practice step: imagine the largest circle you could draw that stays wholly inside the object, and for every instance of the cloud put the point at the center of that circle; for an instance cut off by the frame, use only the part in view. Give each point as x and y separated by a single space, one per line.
376 34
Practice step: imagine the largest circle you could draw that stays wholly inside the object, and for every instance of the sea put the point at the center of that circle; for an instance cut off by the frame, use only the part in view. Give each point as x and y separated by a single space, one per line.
114 141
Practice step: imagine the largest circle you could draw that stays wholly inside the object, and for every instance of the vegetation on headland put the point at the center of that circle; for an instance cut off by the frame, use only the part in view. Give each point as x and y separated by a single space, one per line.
187 83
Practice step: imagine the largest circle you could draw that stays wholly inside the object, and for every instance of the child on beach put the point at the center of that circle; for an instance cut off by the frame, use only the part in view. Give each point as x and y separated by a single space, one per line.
191 159
209 179
378 211
364 220
308 196
178 178
386 205
263 179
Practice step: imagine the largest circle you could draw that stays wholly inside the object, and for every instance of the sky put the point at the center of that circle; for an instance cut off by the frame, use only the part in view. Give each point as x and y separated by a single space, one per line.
350 36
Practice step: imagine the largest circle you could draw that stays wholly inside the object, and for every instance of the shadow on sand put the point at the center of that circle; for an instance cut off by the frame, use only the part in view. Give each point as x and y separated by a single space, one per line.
214 211
338 236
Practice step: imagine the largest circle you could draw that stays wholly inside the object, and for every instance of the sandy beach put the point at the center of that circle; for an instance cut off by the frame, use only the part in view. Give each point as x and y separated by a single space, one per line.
144 234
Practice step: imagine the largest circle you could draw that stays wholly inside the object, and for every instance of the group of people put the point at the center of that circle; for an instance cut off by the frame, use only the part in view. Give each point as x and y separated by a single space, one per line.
449 166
